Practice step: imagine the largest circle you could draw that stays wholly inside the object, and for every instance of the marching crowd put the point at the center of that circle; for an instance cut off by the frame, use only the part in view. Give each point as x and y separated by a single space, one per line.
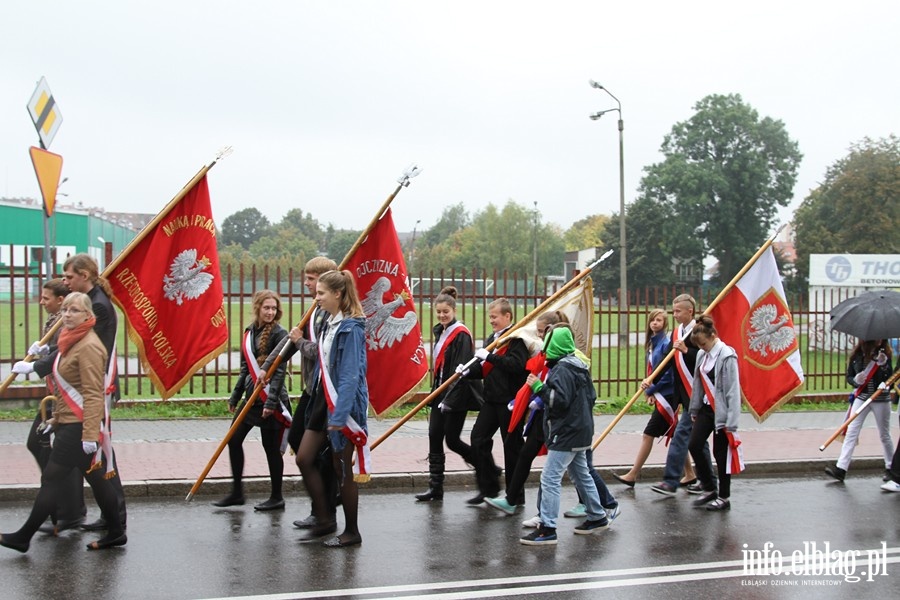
539 404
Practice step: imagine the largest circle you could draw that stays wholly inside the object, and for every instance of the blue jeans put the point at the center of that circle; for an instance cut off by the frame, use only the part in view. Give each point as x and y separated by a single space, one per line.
678 451
558 461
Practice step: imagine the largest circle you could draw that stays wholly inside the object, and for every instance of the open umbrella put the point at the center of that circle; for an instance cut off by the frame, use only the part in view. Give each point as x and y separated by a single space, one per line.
869 316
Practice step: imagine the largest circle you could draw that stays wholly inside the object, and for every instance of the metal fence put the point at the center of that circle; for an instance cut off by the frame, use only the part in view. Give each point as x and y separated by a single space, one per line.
617 361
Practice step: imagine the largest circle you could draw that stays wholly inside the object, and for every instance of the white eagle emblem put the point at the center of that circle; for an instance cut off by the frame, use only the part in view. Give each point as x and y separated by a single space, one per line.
186 279
382 328
766 333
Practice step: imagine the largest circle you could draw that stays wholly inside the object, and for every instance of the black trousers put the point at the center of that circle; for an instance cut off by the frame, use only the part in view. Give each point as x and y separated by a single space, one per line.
448 426
704 425
66 456
491 417
70 503
515 486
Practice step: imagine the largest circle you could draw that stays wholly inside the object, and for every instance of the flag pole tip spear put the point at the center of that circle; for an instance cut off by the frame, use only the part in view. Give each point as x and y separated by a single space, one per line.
411 171
605 255
821 448
189 497
224 152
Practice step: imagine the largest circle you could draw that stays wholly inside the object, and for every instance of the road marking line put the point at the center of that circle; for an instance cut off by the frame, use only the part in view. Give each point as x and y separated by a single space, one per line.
486 588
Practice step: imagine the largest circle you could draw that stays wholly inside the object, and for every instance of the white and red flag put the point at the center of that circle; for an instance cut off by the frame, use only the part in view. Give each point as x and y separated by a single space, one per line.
397 363
754 319
169 287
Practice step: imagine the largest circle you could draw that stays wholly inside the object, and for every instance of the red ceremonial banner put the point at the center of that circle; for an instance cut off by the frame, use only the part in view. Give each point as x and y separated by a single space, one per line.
397 362
754 319
170 290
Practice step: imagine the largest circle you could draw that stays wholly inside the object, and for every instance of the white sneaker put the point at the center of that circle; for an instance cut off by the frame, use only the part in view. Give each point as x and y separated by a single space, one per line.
612 513
532 523
891 486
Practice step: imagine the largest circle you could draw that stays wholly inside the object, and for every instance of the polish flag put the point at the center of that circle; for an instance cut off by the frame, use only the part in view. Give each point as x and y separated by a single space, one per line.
754 319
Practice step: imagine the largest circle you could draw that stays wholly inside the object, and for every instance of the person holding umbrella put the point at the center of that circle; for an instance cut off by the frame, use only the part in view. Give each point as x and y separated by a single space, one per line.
869 368
871 317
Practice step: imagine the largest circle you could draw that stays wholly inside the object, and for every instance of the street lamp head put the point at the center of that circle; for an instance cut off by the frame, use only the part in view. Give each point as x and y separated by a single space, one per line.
594 84
599 114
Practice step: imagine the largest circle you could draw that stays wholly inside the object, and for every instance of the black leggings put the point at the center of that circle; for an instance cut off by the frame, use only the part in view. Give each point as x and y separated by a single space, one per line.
447 426
705 424
271 442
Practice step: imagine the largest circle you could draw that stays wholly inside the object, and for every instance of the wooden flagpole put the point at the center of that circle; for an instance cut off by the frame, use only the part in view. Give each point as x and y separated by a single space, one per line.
665 361
403 182
891 381
131 245
499 341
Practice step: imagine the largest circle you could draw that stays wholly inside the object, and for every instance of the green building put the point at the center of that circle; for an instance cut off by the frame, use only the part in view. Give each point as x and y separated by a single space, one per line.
72 230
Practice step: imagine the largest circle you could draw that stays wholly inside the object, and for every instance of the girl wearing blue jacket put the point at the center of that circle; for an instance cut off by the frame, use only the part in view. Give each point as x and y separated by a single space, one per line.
660 393
339 405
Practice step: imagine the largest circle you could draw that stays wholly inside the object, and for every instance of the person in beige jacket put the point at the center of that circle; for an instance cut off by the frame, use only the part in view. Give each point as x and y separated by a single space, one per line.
78 415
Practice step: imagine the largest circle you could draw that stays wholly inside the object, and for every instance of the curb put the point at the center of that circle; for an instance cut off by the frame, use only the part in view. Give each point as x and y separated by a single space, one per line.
412 482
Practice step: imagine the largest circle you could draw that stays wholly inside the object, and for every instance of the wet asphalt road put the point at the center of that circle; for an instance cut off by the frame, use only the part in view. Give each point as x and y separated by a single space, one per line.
657 548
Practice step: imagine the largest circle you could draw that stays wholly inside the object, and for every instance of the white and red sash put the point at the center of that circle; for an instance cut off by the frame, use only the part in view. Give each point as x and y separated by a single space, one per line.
684 373
351 430
281 414
665 409
247 349
72 397
869 372
75 401
735 455
708 386
447 336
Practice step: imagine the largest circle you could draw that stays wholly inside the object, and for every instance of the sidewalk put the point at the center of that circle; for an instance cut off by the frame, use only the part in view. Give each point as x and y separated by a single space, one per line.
166 457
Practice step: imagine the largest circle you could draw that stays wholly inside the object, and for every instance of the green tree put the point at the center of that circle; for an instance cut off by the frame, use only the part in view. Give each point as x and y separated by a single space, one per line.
339 243
586 232
305 224
284 242
657 242
453 219
727 171
856 209
504 239
244 227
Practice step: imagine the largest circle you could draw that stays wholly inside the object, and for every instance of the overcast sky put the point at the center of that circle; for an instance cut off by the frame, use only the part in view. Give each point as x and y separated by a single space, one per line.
325 103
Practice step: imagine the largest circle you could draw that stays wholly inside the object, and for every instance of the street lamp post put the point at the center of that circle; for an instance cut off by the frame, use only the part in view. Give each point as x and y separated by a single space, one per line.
623 277
412 249
535 244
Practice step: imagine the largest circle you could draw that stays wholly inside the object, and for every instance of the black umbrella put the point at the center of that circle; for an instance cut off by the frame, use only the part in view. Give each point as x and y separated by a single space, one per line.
869 316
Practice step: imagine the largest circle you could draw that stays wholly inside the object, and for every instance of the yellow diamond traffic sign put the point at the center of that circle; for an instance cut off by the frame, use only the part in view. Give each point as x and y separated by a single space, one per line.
44 113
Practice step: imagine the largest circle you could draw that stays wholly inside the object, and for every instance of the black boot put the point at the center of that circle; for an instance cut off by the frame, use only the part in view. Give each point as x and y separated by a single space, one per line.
436 480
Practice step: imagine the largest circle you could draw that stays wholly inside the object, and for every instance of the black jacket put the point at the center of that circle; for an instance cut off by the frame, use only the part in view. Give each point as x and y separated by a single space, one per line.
682 396
465 394
569 397
858 364
507 374
244 386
